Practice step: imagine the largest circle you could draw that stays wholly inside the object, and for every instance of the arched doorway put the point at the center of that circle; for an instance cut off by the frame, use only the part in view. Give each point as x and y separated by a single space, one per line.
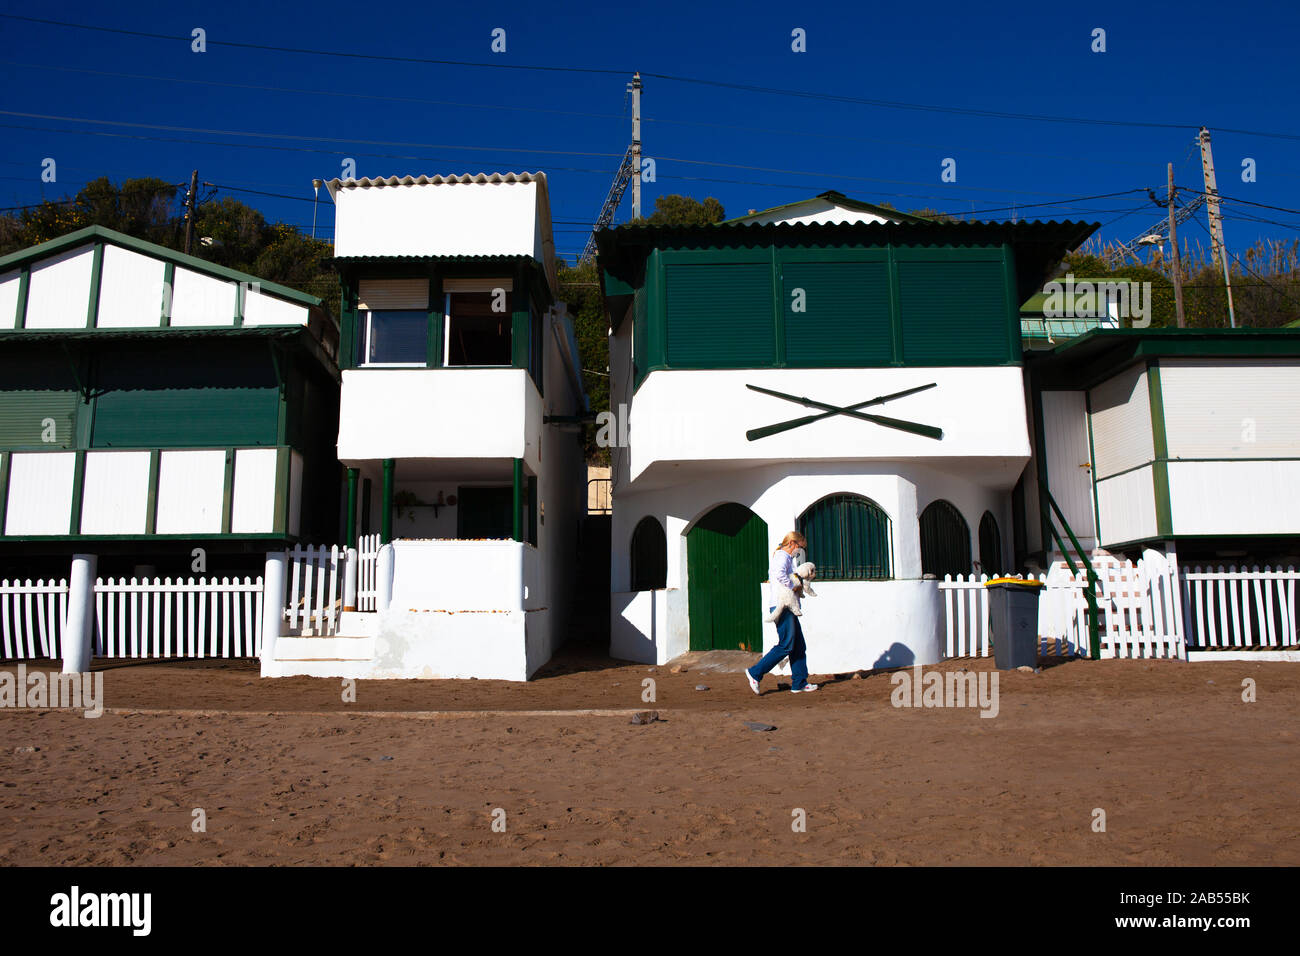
726 563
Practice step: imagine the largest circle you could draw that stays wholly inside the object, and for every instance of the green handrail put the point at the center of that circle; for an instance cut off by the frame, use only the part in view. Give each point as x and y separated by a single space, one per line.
1094 628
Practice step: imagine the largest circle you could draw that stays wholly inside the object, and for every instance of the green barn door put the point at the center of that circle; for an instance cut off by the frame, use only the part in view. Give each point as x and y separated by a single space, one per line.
726 563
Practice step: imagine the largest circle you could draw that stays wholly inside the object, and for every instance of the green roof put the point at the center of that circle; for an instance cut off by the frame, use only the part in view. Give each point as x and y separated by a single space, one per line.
1037 246
113 237
1097 354
838 199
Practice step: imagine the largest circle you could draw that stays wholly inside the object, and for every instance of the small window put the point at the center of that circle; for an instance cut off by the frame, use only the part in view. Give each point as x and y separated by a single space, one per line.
848 539
478 328
990 545
945 540
649 556
396 337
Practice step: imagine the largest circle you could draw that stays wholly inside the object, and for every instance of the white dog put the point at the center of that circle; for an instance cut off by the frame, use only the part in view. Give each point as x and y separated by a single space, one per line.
801 576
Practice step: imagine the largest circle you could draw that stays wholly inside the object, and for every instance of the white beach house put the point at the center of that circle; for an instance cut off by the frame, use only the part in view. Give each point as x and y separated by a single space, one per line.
457 428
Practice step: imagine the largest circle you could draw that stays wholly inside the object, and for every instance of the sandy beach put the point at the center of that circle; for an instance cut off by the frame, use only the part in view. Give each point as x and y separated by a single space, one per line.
285 772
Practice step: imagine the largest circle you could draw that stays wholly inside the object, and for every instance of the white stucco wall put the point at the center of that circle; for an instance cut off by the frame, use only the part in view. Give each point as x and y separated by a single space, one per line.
704 415
435 220
654 626
438 413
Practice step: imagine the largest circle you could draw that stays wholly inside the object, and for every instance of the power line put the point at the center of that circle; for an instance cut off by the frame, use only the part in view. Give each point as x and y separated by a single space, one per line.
670 77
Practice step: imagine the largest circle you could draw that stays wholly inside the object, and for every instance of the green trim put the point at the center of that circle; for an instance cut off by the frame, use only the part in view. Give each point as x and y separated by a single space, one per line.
240 288
1160 447
151 507
386 505
350 532
169 294
1040 462
437 322
96 278
895 309
517 516
282 474
103 235
1014 345
1179 461
1092 469
24 284
4 489
778 310
228 491
78 491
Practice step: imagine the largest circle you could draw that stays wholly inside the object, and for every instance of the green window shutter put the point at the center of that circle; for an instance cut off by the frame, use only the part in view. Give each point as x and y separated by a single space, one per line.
990 544
720 315
954 312
845 320
945 540
24 415
848 539
649 556
177 399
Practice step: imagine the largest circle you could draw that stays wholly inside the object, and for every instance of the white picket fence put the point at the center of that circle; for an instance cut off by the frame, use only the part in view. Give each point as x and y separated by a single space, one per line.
1148 609
31 617
198 617
1062 615
315 589
1242 608
368 572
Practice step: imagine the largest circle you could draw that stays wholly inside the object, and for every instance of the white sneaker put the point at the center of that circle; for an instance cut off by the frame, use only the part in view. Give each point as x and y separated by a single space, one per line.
805 689
753 684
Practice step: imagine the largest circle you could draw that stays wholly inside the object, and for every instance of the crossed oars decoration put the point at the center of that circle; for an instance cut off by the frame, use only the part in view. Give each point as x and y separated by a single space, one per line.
929 431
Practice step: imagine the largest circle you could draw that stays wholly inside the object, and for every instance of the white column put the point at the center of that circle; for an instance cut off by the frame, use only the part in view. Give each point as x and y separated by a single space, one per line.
78 634
384 578
274 579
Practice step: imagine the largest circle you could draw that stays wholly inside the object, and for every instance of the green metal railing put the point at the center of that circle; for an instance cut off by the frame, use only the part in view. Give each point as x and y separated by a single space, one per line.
1094 627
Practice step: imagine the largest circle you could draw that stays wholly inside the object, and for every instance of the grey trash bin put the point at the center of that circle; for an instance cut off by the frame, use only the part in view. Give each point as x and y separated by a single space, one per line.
1013 621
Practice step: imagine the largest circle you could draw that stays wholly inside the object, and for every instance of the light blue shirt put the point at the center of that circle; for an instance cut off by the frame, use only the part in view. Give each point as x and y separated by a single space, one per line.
778 571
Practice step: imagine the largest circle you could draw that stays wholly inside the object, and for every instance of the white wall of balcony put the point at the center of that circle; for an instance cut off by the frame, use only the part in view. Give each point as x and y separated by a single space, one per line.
438 413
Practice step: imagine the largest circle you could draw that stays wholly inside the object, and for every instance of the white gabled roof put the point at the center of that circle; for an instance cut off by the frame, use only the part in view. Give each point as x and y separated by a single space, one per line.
459 179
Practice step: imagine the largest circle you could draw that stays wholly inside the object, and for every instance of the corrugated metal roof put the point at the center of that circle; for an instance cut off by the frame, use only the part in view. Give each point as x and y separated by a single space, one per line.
461 179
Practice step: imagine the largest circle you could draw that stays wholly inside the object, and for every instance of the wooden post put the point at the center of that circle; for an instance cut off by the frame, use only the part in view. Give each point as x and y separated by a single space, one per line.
386 511
517 500
1177 267
350 525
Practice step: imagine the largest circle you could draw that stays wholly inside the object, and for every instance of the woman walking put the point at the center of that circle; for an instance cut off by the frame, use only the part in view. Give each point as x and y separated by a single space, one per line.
790 635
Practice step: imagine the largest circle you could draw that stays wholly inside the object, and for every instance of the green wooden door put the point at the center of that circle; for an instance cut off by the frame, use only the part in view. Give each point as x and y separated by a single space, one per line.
726 563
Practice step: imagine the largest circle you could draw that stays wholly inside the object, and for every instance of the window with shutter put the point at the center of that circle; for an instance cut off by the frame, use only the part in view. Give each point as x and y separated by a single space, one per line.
649 556
945 540
849 539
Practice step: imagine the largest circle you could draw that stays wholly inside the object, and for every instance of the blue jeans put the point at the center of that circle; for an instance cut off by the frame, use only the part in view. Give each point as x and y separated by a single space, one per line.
789 644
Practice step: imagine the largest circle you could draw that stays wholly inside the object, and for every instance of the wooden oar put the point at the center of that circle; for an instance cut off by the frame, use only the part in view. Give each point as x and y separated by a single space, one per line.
927 431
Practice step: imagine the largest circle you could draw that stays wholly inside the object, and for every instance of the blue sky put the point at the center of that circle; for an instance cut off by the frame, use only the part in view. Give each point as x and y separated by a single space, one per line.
1227 67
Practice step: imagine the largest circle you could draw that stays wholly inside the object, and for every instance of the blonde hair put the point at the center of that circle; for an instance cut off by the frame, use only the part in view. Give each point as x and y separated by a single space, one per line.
792 537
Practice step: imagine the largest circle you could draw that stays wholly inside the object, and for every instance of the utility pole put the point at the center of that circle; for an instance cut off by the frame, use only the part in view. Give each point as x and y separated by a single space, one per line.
315 187
1177 263
1218 249
190 199
636 144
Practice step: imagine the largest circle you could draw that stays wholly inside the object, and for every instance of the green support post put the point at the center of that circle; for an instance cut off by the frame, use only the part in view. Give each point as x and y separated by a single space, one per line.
517 511
386 511
350 535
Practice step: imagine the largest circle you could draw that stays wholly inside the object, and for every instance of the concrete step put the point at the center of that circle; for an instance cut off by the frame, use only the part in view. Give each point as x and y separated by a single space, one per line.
338 647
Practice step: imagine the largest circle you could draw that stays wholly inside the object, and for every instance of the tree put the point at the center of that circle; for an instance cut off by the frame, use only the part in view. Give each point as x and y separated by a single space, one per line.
675 210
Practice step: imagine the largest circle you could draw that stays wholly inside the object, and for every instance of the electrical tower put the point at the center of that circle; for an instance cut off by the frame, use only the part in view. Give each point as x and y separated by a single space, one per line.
1154 236
629 170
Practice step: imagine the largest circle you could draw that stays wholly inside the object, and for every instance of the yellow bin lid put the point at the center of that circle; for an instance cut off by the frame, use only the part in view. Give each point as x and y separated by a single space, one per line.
1025 582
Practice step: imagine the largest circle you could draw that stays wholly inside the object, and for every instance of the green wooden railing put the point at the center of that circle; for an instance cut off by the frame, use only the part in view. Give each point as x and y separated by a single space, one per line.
1094 626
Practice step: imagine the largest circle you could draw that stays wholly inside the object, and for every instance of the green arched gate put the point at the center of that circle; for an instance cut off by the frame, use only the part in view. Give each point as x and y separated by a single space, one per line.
726 564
